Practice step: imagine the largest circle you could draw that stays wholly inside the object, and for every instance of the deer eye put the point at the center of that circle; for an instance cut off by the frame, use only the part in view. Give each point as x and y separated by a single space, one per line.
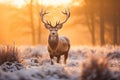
56 29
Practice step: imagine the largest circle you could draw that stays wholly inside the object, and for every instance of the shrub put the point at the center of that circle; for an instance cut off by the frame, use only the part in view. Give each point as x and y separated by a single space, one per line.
96 68
9 53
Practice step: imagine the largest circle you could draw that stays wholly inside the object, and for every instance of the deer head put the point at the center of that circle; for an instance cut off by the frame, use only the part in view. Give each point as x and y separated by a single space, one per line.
53 29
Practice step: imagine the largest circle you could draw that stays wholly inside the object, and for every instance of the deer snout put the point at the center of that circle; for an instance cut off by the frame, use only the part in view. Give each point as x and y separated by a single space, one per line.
53 33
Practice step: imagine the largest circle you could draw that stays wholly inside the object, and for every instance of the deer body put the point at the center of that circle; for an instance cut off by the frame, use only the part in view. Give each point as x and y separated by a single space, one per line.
57 45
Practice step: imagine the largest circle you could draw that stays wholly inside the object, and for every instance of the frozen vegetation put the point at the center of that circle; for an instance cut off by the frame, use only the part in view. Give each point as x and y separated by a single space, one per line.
35 64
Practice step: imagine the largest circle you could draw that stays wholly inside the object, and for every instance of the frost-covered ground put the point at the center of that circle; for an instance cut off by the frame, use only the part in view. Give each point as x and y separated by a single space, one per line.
36 63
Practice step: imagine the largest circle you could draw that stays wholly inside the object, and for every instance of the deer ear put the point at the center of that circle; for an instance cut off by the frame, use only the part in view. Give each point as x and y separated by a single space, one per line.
47 26
59 26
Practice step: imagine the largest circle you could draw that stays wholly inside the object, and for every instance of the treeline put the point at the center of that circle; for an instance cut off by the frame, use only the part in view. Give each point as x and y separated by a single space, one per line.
21 25
100 17
103 20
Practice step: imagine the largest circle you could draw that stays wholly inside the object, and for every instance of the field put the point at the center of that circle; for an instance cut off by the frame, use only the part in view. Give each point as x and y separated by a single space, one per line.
84 63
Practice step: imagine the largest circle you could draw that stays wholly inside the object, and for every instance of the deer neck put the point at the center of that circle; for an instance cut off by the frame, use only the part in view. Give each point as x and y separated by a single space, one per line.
53 42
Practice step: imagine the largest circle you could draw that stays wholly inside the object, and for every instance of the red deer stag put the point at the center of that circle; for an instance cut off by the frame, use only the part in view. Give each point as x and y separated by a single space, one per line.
57 45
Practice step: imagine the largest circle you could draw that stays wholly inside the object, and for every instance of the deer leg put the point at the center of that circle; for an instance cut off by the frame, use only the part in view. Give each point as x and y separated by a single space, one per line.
51 57
65 57
58 59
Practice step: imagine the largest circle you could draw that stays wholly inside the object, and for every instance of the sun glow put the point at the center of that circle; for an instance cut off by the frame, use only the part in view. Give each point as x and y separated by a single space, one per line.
55 2
20 3
17 3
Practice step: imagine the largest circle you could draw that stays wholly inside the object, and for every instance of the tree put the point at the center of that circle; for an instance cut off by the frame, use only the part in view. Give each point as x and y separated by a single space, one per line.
115 20
90 16
39 22
32 23
101 14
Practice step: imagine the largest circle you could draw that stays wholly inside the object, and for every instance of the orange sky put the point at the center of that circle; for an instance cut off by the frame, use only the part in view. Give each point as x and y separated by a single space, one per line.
17 17
20 3
14 17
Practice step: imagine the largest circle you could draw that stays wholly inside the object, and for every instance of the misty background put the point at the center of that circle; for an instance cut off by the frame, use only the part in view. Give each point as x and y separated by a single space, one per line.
92 22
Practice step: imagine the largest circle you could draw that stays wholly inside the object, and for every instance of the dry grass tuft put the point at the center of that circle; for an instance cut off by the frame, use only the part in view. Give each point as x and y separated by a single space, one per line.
9 53
96 68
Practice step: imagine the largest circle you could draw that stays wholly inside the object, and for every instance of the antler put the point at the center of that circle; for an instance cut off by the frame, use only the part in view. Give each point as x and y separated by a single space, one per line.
67 15
42 14
58 24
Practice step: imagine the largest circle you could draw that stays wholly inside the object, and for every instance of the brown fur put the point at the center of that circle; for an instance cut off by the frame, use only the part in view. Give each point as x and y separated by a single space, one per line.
58 47
53 43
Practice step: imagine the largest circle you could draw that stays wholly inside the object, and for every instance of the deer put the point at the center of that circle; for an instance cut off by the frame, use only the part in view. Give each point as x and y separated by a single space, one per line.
57 45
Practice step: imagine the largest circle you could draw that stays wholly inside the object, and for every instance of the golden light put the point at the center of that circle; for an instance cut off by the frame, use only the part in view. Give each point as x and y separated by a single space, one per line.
20 3
77 3
17 3
53 6
54 2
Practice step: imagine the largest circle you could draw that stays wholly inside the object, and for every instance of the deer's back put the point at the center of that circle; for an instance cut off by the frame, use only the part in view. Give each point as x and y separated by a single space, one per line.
64 45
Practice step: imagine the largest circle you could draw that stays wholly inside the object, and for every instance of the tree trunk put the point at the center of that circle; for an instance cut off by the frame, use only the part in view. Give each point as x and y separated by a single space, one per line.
102 30
39 23
102 39
93 29
32 23
118 29
91 26
119 35
115 25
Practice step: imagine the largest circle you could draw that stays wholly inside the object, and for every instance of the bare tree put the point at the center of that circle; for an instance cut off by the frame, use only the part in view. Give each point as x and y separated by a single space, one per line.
115 6
39 22
101 14
89 13
32 23
119 29
31 13
115 27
